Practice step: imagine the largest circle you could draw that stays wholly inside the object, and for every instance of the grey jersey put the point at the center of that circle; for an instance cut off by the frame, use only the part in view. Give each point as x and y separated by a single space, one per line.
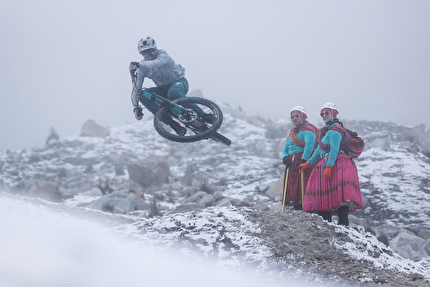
162 70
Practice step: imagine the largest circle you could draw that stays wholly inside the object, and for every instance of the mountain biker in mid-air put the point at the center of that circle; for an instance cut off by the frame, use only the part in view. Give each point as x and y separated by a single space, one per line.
168 77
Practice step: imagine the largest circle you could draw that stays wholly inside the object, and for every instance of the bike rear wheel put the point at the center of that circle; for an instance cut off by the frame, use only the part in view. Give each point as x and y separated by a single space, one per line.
197 128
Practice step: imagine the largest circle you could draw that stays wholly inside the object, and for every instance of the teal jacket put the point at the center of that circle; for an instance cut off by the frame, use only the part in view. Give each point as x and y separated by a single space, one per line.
332 138
162 71
291 148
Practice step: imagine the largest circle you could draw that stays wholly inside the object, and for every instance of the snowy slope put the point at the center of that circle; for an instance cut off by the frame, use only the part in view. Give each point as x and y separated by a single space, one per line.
43 247
394 183
48 244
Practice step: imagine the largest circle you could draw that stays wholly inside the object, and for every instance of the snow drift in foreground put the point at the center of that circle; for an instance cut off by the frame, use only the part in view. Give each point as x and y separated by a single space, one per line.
41 247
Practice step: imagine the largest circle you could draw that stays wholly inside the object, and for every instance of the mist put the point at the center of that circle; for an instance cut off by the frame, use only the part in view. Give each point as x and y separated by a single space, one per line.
65 62
43 247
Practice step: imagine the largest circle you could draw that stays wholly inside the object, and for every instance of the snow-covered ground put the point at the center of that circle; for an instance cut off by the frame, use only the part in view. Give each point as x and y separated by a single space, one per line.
49 244
43 247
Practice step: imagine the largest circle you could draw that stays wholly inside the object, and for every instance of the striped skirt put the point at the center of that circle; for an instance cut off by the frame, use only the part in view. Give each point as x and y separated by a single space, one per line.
294 185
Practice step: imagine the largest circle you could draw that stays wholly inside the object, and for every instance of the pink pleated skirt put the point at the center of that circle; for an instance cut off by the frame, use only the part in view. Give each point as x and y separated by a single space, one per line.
343 189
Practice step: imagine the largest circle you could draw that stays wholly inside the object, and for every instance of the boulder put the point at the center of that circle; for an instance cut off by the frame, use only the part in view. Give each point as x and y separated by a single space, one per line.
218 195
196 197
276 190
119 202
425 234
41 189
409 246
424 140
188 206
152 171
382 143
52 137
208 200
118 162
246 203
91 129
235 202
224 202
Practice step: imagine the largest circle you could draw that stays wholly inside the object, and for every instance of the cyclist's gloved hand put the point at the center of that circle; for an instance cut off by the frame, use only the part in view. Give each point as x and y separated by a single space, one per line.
133 66
138 114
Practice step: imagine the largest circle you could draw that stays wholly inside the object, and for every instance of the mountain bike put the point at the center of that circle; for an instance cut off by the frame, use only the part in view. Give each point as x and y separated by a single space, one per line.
181 111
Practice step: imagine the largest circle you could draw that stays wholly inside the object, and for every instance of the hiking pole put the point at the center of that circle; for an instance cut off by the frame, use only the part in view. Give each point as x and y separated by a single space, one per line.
285 190
303 191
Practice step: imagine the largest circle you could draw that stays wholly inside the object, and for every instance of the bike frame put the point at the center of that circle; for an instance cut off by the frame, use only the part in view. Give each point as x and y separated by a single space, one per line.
185 114
189 117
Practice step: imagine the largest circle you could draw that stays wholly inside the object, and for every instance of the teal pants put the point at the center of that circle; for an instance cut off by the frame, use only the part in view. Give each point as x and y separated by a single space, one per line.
173 91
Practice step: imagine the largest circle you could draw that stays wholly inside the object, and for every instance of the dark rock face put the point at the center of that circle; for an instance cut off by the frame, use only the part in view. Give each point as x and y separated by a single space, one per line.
149 172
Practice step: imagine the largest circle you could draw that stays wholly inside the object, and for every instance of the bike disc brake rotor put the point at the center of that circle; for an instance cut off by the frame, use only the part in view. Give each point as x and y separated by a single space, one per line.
188 117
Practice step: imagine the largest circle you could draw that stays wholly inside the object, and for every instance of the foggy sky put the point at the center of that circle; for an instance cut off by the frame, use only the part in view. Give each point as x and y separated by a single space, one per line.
64 62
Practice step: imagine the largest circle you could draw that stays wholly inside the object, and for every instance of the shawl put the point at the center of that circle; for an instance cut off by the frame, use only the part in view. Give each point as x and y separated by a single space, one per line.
338 127
305 126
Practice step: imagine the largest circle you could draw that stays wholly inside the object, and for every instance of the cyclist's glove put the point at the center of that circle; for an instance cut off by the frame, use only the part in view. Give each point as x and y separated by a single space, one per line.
133 66
138 114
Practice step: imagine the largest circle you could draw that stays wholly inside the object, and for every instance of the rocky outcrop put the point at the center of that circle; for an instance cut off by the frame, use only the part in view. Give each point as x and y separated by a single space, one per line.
410 246
423 140
149 172
91 129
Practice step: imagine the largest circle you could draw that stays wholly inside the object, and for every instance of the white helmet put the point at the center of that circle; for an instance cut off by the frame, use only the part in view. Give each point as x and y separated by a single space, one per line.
301 110
331 106
146 44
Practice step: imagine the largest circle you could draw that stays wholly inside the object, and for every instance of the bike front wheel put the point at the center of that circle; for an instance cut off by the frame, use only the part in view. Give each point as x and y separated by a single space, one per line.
197 128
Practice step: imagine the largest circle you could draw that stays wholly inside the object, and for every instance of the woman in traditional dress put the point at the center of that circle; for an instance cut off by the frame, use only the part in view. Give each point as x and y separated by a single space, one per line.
298 148
333 185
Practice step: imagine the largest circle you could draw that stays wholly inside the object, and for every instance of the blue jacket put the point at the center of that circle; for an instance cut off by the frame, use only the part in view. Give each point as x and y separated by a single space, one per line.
291 148
332 138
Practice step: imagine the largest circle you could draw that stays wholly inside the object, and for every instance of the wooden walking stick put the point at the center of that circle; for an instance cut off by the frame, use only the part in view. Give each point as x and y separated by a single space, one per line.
303 191
285 190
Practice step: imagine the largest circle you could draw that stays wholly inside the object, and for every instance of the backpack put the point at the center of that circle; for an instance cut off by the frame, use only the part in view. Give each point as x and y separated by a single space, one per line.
352 144
355 146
